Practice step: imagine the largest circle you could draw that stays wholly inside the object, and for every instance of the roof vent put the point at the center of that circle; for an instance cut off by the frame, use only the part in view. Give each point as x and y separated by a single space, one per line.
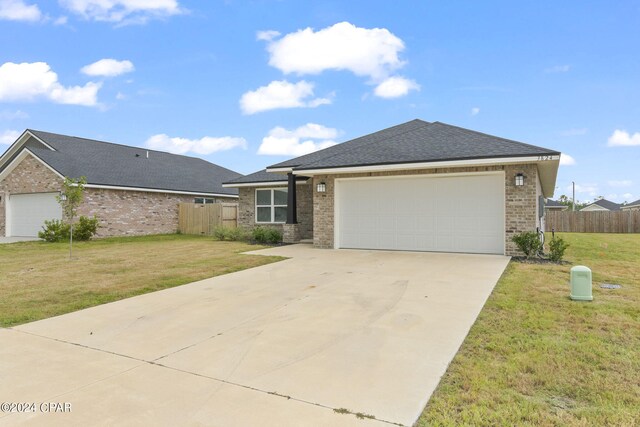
147 154
137 155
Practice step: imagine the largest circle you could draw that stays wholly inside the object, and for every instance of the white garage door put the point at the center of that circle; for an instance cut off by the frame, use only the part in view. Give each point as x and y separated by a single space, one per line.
427 213
27 213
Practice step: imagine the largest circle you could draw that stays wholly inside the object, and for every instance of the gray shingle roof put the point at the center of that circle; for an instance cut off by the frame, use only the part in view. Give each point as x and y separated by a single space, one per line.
553 204
263 176
414 142
105 163
612 206
634 204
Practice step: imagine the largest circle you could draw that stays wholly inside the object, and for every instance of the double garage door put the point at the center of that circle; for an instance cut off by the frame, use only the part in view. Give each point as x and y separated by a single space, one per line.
427 213
26 213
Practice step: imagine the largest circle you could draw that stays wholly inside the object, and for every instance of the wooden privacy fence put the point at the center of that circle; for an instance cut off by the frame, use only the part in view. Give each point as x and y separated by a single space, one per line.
593 222
203 219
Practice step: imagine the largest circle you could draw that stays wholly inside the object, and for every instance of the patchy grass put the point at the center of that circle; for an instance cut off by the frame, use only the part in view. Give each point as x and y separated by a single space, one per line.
534 357
37 279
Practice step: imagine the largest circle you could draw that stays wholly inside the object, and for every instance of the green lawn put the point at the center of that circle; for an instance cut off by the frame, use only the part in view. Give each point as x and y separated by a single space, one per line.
37 279
534 357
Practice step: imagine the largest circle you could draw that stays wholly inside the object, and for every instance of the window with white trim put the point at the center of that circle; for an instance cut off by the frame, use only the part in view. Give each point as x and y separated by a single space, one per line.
271 205
203 200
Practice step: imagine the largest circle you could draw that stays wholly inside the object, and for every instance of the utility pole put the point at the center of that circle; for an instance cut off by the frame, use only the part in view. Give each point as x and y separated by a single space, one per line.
574 196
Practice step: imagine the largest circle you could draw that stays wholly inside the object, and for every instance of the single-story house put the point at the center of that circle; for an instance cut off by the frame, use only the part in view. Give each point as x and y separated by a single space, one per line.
552 205
417 186
633 206
132 190
601 205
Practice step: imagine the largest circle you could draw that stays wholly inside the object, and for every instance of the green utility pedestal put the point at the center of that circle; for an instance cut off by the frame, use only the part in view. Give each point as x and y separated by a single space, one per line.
581 283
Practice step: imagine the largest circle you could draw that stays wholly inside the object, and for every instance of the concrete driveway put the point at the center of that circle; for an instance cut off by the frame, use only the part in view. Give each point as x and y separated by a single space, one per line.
289 343
17 239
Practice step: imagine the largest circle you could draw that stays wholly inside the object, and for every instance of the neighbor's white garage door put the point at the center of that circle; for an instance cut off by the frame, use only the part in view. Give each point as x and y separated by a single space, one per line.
27 213
426 213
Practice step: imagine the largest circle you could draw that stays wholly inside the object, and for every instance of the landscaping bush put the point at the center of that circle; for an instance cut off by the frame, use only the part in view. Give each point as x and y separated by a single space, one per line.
259 234
54 231
234 234
528 242
266 235
58 231
557 246
220 233
85 228
274 236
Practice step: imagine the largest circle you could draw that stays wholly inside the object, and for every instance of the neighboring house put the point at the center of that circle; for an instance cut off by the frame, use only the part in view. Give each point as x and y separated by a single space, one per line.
552 205
633 206
601 205
132 190
417 186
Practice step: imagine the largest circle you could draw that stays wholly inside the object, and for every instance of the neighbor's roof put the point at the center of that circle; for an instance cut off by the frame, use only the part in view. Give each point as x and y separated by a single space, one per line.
554 204
416 141
604 203
104 163
632 204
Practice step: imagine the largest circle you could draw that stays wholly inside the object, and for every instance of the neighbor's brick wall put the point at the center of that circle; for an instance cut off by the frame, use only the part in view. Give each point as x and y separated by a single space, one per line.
304 194
520 202
29 176
120 212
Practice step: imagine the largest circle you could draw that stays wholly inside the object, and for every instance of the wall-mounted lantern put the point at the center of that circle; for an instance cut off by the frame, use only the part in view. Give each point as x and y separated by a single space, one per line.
519 180
321 187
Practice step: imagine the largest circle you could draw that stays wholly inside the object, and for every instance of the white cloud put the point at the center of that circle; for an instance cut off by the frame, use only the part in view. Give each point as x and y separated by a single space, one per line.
621 183
18 10
280 94
574 132
121 96
62 20
475 111
622 138
205 145
558 69
394 87
297 142
8 137
28 81
123 11
343 46
567 160
108 68
628 197
590 189
267 35
13 115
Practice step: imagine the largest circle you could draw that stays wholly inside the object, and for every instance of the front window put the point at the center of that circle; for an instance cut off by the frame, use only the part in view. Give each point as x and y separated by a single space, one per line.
271 205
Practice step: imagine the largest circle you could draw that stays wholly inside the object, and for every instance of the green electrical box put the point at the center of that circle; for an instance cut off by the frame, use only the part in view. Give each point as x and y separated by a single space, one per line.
581 283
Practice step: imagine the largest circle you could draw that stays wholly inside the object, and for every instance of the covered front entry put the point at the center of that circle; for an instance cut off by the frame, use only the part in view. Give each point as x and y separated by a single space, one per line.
437 212
26 213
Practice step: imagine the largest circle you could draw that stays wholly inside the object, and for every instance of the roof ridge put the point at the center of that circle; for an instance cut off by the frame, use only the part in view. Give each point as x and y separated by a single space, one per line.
119 145
494 136
348 150
365 136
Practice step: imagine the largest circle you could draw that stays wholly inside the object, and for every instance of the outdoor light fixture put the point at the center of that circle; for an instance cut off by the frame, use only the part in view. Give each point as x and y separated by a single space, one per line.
322 187
519 179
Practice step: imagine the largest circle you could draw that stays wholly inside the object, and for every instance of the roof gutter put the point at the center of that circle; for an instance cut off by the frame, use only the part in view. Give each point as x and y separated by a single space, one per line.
427 165
156 190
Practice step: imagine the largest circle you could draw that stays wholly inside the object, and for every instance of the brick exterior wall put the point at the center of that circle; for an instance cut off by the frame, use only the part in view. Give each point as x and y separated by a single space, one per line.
520 202
121 213
29 176
304 194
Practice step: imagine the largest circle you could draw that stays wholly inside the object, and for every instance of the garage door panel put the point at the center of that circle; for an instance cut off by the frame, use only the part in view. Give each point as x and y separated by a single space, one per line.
425 213
27 213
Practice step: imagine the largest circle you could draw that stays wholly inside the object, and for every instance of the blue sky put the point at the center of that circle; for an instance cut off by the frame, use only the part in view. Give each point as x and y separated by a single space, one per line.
249 84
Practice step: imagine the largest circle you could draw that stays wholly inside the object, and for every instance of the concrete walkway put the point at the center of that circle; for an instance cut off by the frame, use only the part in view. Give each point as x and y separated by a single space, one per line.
286 344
